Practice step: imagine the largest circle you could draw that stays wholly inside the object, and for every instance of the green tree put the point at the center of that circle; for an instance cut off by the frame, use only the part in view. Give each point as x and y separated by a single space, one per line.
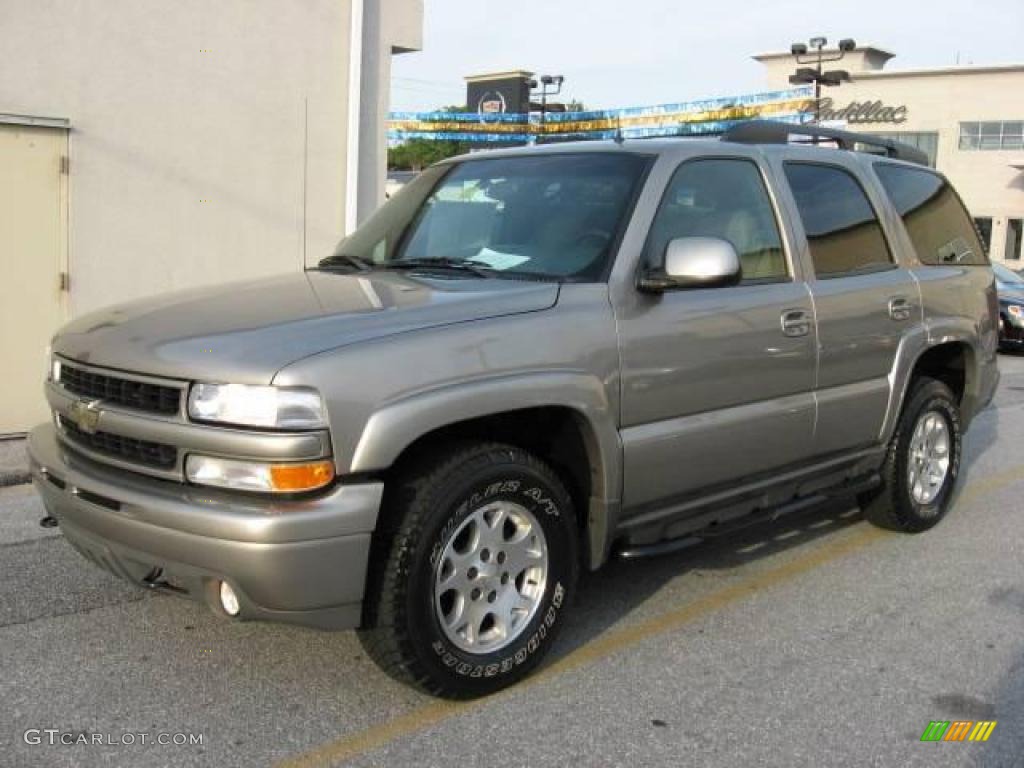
417 154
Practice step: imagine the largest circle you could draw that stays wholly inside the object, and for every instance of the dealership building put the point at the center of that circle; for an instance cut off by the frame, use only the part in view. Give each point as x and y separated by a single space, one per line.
148 146
967 119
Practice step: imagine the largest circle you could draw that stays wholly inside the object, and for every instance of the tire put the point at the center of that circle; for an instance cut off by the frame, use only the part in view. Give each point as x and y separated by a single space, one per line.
897 505
441 513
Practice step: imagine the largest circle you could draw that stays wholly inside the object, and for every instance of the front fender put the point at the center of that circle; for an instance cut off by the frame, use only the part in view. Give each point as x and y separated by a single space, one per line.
397 425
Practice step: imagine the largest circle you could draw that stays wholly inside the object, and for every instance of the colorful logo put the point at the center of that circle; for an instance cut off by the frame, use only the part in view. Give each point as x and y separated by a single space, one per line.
958 730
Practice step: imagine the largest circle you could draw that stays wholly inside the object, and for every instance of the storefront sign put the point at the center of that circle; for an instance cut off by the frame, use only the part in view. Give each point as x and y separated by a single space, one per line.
859 111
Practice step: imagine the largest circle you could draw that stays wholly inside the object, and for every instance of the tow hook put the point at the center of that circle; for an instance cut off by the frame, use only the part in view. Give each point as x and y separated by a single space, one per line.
154 580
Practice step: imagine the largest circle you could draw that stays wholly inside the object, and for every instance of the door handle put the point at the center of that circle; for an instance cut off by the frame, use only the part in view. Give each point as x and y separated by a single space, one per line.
796 322
899 308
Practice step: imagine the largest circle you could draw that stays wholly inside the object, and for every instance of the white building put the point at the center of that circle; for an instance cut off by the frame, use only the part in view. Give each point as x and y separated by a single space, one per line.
148 146
969 119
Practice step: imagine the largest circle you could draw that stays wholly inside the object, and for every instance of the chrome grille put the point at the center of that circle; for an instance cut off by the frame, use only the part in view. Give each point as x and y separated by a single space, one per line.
112 389
145 452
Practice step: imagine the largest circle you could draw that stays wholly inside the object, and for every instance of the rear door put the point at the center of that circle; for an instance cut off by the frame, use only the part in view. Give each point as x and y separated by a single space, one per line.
864 299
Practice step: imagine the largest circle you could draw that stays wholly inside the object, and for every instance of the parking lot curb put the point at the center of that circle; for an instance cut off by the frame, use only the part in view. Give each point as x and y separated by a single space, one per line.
13 462
14 478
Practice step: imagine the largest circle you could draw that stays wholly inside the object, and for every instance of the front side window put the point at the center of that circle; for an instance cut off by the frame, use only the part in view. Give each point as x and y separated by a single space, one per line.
938 225
843 232
727 199
540 216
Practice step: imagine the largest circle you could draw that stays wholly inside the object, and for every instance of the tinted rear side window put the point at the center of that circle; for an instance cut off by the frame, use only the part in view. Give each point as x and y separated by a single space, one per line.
842 229
938 224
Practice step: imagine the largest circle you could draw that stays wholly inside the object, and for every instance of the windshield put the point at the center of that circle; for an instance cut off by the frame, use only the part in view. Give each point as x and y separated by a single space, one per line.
545 216
1007 276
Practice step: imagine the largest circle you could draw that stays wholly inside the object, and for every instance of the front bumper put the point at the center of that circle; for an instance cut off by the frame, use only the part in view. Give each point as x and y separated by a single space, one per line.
301 561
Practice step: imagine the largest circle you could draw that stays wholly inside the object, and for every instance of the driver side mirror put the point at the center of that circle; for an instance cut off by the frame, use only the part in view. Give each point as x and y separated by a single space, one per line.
694 262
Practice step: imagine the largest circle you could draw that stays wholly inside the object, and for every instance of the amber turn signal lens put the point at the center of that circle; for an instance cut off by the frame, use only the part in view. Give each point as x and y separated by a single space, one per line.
301 477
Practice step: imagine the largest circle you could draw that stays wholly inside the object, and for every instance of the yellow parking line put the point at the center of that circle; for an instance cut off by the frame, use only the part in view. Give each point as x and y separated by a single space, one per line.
348 747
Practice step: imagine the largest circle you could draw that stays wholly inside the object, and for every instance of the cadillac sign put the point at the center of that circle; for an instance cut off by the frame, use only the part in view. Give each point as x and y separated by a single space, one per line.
859 112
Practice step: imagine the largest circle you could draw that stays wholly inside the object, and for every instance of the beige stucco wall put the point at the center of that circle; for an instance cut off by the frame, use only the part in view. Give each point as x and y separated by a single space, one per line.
208 139
938 101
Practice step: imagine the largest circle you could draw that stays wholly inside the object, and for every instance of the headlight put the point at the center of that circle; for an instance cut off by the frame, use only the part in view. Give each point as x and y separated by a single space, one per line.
1015 309
277 407
258 476
52 366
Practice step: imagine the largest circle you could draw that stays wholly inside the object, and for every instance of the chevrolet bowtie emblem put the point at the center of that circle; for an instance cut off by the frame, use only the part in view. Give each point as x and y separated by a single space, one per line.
86 414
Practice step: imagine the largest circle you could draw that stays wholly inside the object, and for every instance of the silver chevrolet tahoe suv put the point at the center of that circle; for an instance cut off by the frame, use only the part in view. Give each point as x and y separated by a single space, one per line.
526 362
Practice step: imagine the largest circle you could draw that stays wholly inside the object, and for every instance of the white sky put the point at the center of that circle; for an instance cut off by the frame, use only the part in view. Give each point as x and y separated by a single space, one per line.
619 53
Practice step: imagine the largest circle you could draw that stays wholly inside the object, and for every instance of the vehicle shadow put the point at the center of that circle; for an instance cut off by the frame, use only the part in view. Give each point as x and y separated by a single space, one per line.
1005 706
981 437
607 596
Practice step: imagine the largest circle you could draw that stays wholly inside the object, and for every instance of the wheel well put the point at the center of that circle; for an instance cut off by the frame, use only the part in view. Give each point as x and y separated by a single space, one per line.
557 435
947 363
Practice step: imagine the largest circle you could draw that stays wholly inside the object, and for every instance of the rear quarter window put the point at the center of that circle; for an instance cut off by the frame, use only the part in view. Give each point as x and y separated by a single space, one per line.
936 221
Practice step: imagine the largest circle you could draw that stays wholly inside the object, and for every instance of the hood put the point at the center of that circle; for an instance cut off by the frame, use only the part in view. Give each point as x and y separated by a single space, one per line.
1011 296
246 332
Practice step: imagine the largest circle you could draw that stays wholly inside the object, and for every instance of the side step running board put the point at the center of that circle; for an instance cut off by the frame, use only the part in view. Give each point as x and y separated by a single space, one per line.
850 488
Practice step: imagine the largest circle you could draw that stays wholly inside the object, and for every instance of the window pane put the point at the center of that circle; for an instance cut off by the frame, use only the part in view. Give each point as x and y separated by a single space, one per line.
984 225
725 199
1014 232
990 135
926 141
969 135
842 229
936 221
929 143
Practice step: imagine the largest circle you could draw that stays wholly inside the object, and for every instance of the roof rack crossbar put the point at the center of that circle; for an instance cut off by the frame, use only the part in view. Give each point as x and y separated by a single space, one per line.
772 132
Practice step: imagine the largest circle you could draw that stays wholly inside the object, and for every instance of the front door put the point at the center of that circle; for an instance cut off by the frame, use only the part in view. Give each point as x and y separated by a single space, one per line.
717 384
31 256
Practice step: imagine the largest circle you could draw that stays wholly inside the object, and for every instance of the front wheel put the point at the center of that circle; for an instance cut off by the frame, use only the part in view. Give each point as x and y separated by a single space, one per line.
466 594
922 462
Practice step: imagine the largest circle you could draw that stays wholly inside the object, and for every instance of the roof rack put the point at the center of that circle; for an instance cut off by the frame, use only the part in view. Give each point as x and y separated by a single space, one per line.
772 132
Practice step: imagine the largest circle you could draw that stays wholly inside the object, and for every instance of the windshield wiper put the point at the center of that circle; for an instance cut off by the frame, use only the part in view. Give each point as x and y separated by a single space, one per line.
345 260
442 262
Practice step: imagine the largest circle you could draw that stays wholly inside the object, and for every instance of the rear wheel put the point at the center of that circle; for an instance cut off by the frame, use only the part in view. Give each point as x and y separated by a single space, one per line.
467 591
922 462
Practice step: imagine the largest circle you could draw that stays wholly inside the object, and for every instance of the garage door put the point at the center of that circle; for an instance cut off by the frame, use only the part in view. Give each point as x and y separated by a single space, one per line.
32 238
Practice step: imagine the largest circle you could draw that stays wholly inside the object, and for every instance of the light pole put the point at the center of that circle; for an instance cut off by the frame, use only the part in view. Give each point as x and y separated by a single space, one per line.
545 82
805 75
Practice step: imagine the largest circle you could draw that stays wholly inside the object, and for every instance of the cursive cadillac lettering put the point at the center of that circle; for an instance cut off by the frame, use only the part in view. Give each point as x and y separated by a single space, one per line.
859 111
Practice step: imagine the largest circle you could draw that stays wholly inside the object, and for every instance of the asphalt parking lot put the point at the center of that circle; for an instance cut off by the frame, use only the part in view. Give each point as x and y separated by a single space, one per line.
815 641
